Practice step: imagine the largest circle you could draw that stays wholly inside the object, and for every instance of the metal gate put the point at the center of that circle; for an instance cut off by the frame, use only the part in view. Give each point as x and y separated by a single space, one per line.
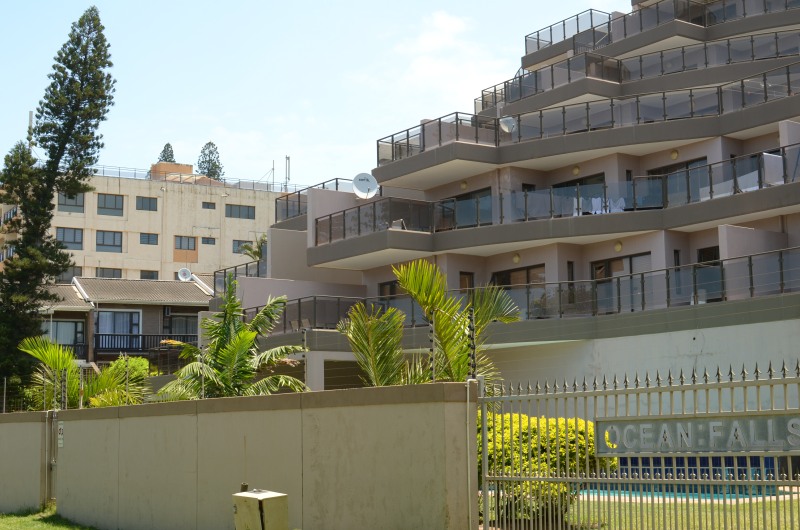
683 451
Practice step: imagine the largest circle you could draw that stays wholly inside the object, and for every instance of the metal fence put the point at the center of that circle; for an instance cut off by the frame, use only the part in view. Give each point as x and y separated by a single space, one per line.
651 451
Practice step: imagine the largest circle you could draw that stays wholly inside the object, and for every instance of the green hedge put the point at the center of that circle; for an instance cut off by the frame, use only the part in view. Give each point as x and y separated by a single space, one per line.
526 446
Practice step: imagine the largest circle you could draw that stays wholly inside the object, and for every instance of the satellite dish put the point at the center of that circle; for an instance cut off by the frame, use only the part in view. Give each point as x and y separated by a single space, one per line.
365 186
184 274
508 124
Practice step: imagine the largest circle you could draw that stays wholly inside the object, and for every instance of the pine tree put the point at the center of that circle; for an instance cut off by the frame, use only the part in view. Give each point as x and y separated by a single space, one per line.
166 154
208 164
67 118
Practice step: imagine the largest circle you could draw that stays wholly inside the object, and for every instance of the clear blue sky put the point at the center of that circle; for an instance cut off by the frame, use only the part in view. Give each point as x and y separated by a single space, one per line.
318 81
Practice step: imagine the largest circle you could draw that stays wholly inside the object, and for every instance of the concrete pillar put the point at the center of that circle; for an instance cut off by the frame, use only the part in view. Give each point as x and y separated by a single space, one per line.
315 371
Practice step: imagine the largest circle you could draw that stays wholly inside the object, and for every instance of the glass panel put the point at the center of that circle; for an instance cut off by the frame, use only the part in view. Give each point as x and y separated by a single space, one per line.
678 104
699 183
600 115
705 102
788 43
565 202
631 68
561 73
732 97
351 223
648 192
528 84
337 227
777 84
513 89
625 112
666 11
530 126
539 204
717 53
672 61
651 65
632 24
740 49
655 289
552 122
754 91
791 270
715 12
619 196
680 286
764 46
544 79
606 295
747 173
575 118
772 168
794 79
592 198
694 57
737 279
651 108
754 7
721 180
708 283
381 212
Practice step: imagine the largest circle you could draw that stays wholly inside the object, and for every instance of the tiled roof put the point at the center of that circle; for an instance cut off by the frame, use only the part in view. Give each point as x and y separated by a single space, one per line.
146 292
71 300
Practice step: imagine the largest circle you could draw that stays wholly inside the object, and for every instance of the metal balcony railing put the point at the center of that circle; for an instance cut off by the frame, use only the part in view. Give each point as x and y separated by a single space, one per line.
702 183
252 269
295 204
115 342
647 66
591 116
593 29
753 276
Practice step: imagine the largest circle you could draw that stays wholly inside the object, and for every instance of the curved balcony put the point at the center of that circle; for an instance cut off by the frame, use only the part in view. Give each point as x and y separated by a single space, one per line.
591 116
740 278
591 30
675 60
295 204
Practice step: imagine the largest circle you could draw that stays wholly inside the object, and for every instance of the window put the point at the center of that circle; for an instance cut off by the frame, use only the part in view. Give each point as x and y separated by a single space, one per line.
466 280
239 211
72 238
109 204
209 205
148 275
237 245
521 276
70 204
117 330
67 275
468 209
64 332
391 288
148 239
105 272
209 241
185 242
149 204
109 241
181 325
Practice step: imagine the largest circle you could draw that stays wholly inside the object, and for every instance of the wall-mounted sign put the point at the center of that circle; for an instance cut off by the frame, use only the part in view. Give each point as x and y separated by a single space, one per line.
750 433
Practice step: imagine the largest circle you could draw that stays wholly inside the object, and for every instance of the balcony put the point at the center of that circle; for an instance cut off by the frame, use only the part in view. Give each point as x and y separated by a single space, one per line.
592 116
741 278
114 343
648 66
253 269
295 204
591 29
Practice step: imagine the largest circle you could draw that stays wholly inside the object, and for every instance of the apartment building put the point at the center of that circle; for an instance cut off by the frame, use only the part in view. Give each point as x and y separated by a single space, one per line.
147 225
635 187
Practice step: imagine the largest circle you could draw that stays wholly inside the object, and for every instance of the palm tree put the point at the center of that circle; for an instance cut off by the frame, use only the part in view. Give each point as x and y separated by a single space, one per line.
426 284
231 364
376 336
255 250
124 382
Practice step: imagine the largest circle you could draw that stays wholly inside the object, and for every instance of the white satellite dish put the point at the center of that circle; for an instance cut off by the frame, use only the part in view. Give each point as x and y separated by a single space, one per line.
184 274
365 186
508 124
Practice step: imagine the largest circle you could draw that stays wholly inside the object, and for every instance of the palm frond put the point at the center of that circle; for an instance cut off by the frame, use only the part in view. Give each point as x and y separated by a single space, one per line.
376 340
274 356
275 383
268 316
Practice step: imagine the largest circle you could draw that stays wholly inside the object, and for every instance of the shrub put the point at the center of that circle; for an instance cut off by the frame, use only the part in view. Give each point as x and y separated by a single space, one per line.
537 448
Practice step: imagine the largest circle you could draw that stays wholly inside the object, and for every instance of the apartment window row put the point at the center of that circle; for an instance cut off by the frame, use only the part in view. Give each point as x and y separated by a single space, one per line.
112 204
102 272
110 241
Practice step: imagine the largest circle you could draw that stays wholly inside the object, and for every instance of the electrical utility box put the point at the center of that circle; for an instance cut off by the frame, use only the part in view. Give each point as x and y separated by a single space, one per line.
261 510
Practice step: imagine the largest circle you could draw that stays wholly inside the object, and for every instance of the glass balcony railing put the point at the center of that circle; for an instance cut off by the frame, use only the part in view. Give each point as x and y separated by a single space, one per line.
593 115
295 204
647 66
591 30
753 276
713 181
253 269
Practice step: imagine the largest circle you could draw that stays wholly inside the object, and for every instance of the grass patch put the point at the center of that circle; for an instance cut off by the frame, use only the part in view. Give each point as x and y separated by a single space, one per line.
44 520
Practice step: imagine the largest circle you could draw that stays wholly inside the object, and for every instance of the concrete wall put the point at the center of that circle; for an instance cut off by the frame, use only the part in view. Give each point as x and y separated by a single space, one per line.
397 457
286 258
22 461
254 291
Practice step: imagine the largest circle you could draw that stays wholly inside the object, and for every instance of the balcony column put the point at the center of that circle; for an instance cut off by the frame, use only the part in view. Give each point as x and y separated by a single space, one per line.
88 335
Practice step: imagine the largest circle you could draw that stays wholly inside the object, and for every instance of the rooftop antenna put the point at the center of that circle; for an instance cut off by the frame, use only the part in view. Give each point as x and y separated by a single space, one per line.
288 172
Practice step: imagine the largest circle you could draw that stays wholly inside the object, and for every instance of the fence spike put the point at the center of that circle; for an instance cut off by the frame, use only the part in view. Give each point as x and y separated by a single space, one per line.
546 386
529 386
681 379
647 379
616 383
770 372
519 389
784 370
502 389
670 379
625 380
636 380
797 368
605 383
538 387
705 375
744 373
594 383
583 386
575 384
757 373
694 375
658 378
730 373
719 375
566 385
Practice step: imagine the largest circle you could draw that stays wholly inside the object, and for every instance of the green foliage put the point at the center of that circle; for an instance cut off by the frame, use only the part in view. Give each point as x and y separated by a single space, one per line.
74 104
529 446
166 154
231 363
255 251
376 337
111 387
208 163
